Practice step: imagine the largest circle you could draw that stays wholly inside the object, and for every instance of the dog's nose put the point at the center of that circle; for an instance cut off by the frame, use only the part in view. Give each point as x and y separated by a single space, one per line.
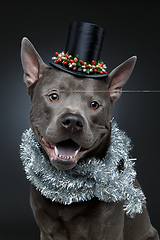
72 122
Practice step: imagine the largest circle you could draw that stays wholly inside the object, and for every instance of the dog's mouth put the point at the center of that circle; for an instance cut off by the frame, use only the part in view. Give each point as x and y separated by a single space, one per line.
63 155
66 150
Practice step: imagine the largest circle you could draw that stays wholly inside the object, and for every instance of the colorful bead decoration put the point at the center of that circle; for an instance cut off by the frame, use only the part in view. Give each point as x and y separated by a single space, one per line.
95 67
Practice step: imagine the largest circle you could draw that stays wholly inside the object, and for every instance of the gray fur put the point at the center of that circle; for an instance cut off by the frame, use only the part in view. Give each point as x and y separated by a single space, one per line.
71 132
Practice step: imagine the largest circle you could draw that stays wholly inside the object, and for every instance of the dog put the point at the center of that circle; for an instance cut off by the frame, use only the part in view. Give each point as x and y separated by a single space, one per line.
70 118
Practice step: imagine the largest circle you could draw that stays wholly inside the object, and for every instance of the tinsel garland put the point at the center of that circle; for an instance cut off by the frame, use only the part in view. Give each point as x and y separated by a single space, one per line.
91 177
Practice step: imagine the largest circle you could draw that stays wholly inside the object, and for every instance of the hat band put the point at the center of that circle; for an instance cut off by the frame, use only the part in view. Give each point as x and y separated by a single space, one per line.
73 63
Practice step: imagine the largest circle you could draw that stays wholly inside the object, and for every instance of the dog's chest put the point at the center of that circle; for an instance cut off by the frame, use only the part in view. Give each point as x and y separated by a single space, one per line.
87 220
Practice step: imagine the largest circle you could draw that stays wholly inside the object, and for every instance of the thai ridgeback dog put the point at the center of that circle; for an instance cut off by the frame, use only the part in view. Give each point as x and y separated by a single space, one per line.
70 118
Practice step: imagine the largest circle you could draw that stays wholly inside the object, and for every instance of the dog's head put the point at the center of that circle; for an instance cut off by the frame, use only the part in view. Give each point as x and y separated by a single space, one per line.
70 116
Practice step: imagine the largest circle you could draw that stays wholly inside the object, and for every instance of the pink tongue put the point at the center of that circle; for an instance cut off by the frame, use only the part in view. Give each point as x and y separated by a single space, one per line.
67 148
66 151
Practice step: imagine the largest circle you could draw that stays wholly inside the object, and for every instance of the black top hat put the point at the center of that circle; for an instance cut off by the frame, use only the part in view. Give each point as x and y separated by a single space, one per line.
82 53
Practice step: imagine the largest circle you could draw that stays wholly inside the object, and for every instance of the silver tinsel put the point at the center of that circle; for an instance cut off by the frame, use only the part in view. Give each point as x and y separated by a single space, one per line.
89 178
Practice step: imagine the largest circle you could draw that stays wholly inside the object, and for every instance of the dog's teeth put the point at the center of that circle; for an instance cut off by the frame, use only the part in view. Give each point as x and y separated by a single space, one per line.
76 152
65 157
56 150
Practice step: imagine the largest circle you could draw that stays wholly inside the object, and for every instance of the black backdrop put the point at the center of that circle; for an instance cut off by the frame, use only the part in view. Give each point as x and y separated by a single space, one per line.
131 28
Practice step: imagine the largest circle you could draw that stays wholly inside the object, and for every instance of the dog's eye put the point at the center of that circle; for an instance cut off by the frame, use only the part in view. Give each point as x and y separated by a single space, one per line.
94 105
54 97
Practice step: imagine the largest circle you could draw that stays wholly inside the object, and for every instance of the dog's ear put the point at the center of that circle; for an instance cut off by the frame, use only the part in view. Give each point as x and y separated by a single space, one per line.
118 77
33 65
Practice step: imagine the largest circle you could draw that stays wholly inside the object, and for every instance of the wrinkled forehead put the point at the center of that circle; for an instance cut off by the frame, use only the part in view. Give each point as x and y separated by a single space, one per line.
63 82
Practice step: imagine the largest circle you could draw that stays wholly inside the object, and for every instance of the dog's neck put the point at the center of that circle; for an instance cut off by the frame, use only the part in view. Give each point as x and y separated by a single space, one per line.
110 179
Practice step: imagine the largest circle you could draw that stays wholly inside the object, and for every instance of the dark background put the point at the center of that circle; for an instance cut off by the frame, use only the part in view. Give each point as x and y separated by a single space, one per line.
132 28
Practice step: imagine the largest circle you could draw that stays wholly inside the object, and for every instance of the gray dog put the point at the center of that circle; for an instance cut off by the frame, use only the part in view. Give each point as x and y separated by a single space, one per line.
66 148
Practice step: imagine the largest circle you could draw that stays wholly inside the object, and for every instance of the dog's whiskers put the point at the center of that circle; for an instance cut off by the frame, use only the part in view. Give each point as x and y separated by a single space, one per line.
123 91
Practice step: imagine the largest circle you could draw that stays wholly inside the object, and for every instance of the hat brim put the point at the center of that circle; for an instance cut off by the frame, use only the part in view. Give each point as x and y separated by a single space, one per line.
77 73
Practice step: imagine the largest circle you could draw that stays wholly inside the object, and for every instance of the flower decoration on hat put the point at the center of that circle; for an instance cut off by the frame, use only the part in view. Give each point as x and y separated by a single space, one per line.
82 51
73 63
